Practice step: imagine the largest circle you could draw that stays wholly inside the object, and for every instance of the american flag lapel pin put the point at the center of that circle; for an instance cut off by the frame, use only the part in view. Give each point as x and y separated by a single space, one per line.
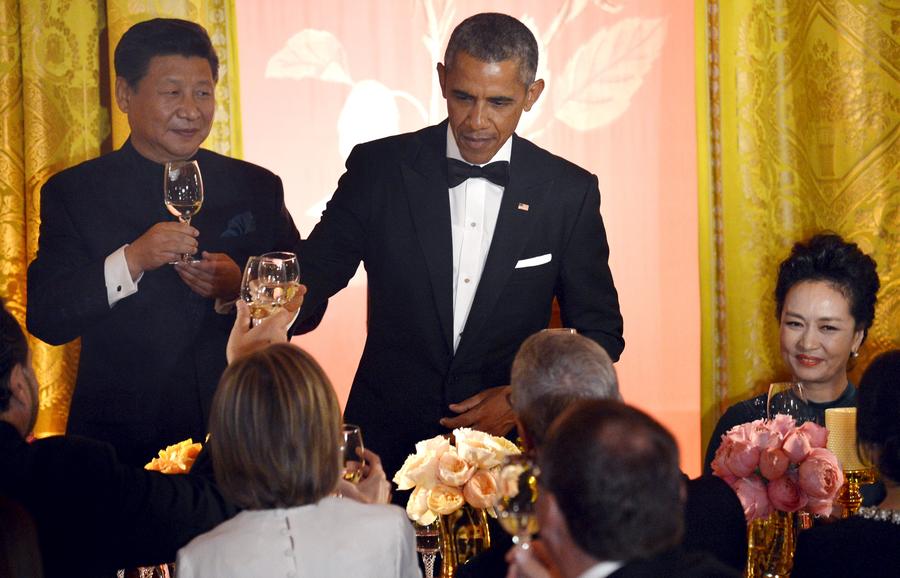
523 206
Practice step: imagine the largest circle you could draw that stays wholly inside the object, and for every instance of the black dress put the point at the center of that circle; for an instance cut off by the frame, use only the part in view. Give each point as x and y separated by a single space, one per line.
853 547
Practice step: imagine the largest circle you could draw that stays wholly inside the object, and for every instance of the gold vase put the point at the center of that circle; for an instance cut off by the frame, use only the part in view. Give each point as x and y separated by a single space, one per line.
771 542
464 533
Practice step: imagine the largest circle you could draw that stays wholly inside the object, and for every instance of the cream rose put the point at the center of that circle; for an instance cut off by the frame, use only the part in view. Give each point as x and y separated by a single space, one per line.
481 449
444 499
481 490
453 470
419 469
417 507
436 445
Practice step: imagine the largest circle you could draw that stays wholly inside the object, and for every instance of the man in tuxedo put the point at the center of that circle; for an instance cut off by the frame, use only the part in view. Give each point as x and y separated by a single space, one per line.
610 500
467 233
152 334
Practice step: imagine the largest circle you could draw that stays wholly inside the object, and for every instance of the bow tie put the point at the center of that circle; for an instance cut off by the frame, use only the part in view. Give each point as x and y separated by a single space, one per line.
458 171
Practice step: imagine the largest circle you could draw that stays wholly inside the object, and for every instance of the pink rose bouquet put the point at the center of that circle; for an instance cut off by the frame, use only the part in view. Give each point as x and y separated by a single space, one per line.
444 476
777 465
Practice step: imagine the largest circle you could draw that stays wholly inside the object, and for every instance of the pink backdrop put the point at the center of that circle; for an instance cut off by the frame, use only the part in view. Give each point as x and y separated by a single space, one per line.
319 77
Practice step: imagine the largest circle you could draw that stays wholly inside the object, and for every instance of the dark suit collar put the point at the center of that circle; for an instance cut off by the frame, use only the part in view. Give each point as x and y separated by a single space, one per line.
520 210
426 185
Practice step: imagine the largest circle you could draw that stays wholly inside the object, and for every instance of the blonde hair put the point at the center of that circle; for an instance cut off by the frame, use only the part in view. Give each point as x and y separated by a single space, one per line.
274 430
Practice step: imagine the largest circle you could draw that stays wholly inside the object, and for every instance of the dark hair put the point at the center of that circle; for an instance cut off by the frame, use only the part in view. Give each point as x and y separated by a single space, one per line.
878 414
827 257
623 500
493 37
20 554
161 37
13 352
274 430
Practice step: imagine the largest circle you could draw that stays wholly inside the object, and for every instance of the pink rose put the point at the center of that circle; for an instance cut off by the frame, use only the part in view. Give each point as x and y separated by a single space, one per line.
782 424
820 507
796 446
754 497
820 475
718 464
786 495
818 435
773 463
481 490
742 458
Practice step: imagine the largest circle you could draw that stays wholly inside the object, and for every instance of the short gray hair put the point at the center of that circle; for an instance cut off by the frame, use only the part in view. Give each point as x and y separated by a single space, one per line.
552 370
494 37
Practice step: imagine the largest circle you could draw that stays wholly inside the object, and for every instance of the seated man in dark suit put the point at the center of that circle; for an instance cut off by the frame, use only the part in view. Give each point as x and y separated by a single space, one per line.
551 371
93 513
610 499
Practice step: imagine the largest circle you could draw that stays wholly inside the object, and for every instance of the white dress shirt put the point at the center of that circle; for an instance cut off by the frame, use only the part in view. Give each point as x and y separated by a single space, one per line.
335 537
601 570
474 206
117 277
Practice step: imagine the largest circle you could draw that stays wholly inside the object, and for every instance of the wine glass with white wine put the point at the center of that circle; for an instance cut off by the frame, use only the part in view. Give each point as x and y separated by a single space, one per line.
183 192
428 544
516 498
352 452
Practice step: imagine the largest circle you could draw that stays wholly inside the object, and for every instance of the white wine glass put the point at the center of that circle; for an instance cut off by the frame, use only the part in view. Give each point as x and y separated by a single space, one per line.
250 293
428 544
789 398
279 278
516 498
352 453
183 192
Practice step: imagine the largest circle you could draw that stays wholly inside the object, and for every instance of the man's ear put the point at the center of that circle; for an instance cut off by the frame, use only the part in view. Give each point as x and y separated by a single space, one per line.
442 78
123 94
19 385
533 93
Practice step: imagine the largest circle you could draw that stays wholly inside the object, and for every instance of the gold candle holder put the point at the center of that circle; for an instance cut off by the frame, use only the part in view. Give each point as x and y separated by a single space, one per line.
841 424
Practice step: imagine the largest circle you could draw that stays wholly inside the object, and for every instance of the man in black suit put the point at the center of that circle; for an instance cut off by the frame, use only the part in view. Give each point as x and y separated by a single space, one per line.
463 261
610 500
152 334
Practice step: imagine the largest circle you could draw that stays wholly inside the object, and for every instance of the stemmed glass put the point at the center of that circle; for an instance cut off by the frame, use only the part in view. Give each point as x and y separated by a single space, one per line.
516 498
428 544
250 291
183 192
789 397
352 451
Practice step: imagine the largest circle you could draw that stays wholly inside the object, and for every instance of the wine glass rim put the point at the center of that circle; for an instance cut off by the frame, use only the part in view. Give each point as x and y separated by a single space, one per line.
279 255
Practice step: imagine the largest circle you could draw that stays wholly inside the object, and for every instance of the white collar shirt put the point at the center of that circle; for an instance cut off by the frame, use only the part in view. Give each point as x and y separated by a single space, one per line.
601 570
474 206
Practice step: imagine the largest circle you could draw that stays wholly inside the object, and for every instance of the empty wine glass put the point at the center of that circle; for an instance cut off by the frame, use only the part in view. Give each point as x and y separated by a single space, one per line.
352 451
183 192
428 544
516 497
789 397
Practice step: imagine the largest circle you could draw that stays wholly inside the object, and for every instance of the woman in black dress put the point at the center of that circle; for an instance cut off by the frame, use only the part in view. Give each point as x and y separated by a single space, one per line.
825 303
867 544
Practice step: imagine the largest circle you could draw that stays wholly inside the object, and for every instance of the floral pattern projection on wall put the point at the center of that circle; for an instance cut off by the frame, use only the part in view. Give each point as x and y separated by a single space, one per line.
593 89
317 79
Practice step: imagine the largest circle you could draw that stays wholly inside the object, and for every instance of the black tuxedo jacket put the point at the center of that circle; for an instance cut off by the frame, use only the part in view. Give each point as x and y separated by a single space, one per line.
94 514
391 211
148 365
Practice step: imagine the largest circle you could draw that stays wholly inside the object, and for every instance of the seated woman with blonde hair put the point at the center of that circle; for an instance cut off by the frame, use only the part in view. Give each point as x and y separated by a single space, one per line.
275 430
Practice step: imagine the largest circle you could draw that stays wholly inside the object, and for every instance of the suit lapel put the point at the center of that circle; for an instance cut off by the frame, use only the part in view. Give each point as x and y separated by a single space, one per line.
429 203
515 223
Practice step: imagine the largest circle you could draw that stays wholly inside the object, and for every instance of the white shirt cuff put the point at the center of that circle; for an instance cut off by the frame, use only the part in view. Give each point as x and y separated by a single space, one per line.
223 307
118 280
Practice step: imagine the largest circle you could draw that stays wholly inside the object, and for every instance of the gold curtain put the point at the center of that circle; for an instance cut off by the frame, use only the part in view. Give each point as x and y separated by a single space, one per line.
56 90
799 132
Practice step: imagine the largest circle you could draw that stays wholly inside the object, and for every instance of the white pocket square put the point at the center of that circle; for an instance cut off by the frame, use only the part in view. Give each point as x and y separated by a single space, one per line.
534 261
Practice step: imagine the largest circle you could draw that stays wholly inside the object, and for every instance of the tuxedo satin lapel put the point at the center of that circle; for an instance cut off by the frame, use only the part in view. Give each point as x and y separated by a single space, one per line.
429 203
519 212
